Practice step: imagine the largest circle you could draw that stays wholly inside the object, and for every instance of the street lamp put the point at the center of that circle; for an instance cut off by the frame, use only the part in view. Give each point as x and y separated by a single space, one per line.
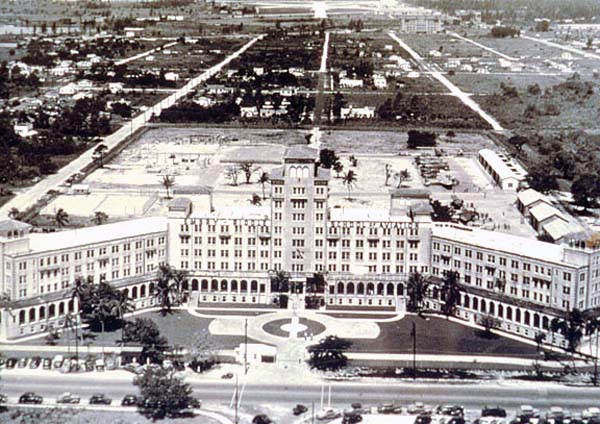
413 335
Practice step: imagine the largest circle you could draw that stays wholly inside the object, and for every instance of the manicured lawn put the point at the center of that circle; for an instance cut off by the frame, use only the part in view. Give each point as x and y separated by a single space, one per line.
438 336
180 328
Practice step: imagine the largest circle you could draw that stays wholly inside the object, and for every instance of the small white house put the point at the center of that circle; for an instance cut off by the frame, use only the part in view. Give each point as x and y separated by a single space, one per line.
379 81
68 90
172 76
351 112
255 353
249 112
25 130
351 83
115 87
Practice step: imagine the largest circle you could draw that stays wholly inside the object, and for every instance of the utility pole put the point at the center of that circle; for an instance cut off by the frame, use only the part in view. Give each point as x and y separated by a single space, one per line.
313 413
236 399
414 340
246 346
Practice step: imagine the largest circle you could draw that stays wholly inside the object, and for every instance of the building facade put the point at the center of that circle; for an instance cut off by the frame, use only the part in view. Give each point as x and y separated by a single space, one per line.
364 256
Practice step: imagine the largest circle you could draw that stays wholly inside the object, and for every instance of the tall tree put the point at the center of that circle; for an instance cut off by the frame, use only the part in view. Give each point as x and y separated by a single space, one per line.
350 181
100 218
417 287
329 354
264 179
450 292
145 332
571 327
168 287
248 169
61 217
585 189
255 200
168 181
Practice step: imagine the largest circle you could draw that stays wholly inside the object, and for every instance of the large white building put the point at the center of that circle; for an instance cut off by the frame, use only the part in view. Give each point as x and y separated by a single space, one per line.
364 255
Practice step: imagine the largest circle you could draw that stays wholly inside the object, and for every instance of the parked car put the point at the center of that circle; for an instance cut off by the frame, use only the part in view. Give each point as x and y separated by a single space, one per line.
31 398
493 412
11 362
129 400
195 403
35 362
352 416
299 409
386 408
47 363
100 399
3 398
22 363
182 413
416 408
423 419
227 376
2 362
452 410
68 398
57 362
328 414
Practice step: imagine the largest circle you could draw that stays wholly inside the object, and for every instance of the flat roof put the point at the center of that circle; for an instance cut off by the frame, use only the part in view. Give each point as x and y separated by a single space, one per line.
502 242
13 225
503 166
365 214
558 228
47 242
238 212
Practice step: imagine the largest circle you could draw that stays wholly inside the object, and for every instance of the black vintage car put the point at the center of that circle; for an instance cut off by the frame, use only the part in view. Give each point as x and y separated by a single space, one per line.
129 400
100 399
30 398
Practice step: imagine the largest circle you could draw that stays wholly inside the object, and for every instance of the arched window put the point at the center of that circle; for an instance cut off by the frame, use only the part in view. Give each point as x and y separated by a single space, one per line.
31 315
204 285
224 285
518 315
71 306
435 293
143 291
350 288
467 301
527 318
126 293
151 289
370 288
61 308
22 317
244 285
492 309
195 285
501 311
475 303
214 285
134 292
305 172
52 311
400 289
185 285
42 313
340 288
360 288
234 285
389 289
536 320
483 306
545 323
253 286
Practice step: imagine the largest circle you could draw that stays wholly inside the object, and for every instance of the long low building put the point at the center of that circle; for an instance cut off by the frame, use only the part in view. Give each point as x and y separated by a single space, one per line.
351 257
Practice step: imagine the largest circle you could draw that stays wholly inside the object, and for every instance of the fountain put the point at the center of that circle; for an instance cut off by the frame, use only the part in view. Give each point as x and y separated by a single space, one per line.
294 327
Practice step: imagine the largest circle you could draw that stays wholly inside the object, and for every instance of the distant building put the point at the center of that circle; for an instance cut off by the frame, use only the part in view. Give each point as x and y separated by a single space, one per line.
505 172
351 112
351 83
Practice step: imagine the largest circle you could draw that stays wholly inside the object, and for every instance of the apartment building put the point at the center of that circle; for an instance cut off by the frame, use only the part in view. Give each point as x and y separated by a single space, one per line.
365 255
38 270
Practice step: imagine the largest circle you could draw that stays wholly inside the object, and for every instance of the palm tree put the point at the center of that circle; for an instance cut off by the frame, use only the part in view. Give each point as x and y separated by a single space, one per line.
167 182
592 326
450 292
571 327
417 287
255 200
539 340
14 213
402 176
61 217
388 173
100 218
349 180
232 173
168 287
264 179
99 153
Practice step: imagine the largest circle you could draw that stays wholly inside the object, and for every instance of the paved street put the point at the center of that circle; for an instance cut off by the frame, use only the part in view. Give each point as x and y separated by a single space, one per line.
508 395
29 196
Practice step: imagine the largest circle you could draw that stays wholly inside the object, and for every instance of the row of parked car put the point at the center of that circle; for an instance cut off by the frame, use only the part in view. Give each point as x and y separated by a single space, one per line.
59 362
31 398
455 414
